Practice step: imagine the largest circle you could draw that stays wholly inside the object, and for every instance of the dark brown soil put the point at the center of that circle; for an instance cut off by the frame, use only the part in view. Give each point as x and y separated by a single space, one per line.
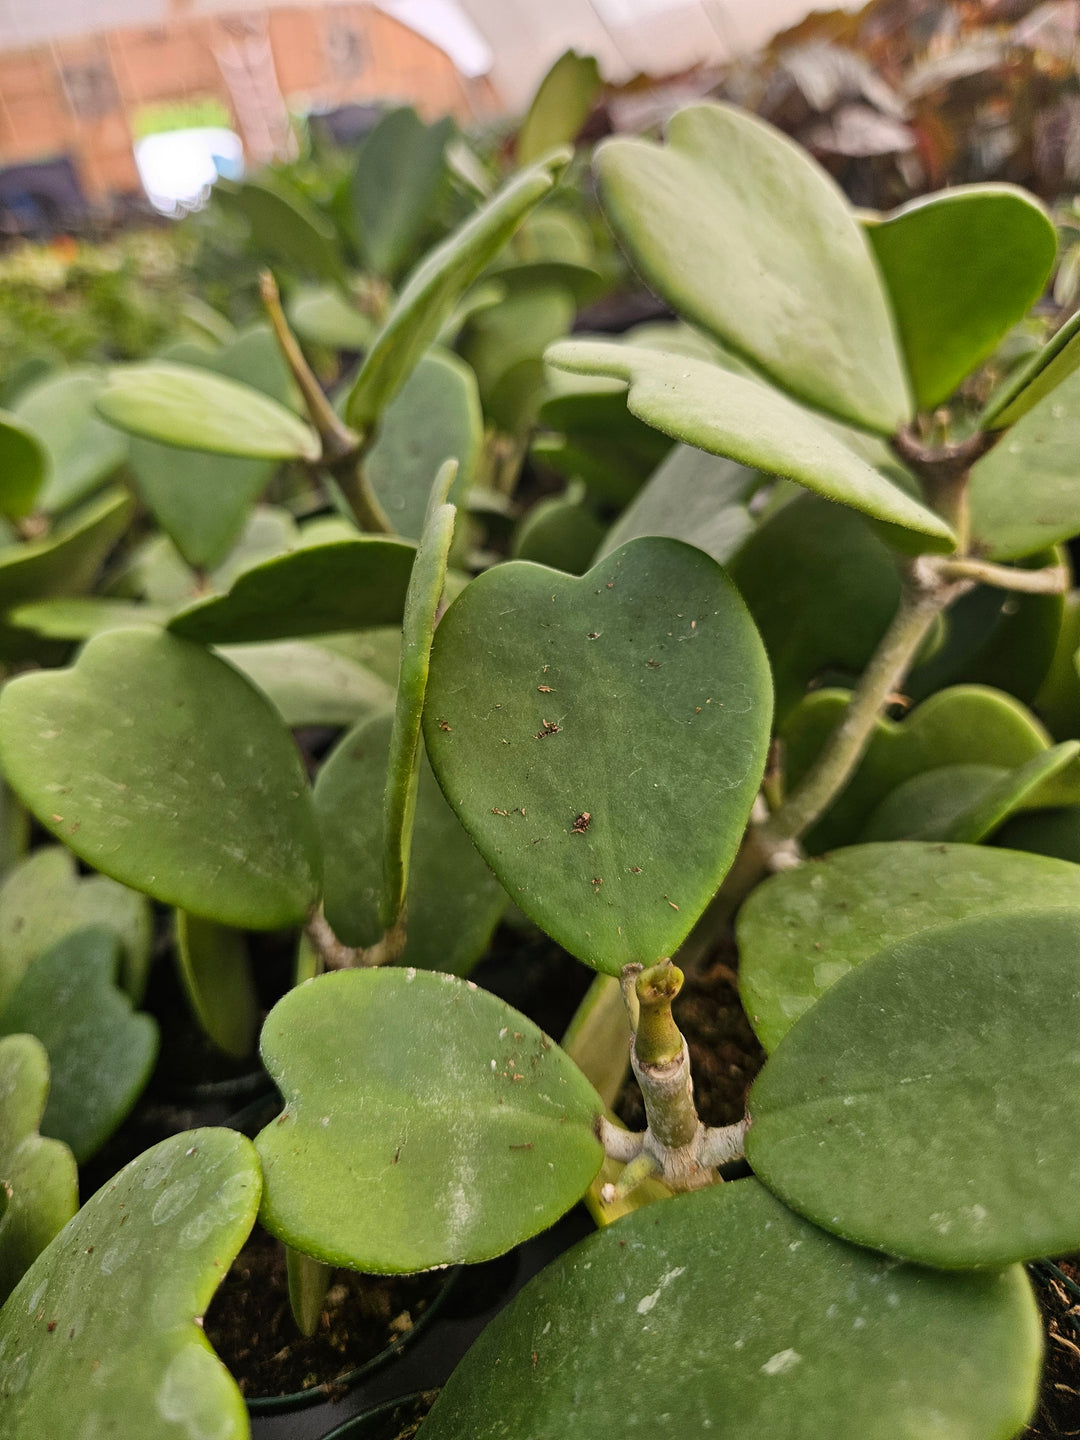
250 1323
1059 1398
724 1052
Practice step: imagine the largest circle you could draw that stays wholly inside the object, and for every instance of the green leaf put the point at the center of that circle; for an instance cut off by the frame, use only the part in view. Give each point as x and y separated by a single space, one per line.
417 632
707 406
560 106
505 347
1045 832
694 497
436 285
425 1122
83 616
315 590
100 1053
83 451
743 234
1058 700
802 930
600 441
810 1337
24 463
435 416
964 725
216 975
308 684
453 901
102 1332
157 571
321 315
38 1177
45 898
926 1106
1025 495
961 268
822 588
1033 380
400 173
285 227
562 531
602 740
193 409
162 767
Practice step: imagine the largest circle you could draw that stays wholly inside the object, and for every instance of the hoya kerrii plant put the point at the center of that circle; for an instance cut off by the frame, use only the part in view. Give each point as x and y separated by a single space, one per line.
633 754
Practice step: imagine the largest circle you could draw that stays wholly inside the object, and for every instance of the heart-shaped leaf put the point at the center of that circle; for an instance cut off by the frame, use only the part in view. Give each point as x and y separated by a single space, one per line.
560 106
963 803
321 315
24 462
38 1178
83 616
216 973
44 898
102 1334
961 268
453 901
802 930
435 417
822 588
193 409
964 725
1025 495
927 1104
100 1053
1033 380
310 685
505 346
83 451
562 531
602 740
399 175
315 590
746 420
161 766
598 440
742 233
694 497
285 227
813 1337
436 285
425 1122
417 632
158 572
69 560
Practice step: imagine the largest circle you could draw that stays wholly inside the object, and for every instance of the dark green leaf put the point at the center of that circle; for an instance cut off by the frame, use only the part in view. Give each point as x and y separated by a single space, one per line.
216 974
83 451
24 463
400 173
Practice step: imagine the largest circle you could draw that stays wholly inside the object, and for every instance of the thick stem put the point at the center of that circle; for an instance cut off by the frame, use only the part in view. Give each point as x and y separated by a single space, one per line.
661 1061
363 502
1051 580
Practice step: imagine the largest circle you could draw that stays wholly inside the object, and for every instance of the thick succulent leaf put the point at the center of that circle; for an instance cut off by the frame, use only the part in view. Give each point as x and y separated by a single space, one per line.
24 464
315 590
83 451
1035 378
425 1122
453 901
69 559
602 740
162 767
562 531
157 571
321 315
436 285
1045 832
822 588
1058 700
961 268
589 434
100 1053
400 172
38 1177
802 930
964 725
286 228
82 616
813 1337
505 347
560 106
435 416
694 497
425 591
194 409
102 1335
739 230
716 410
44 898
963 803
926 1106
216 973
1025 494
308 684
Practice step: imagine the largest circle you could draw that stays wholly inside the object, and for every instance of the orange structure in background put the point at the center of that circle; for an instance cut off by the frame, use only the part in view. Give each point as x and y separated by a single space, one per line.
75 96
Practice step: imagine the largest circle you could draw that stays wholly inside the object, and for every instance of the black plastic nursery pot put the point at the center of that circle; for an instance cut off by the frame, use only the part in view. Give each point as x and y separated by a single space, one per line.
392 1421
